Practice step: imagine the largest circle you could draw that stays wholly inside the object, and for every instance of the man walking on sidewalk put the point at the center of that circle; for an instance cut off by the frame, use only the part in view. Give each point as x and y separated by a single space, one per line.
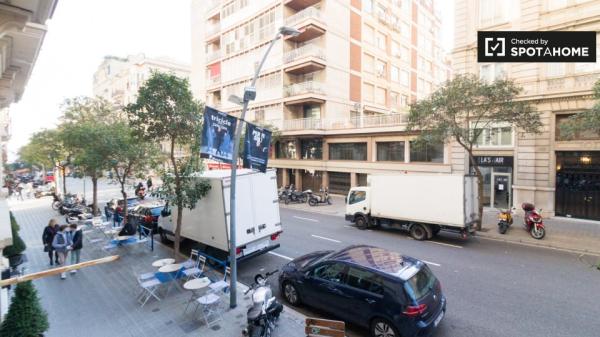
62 245
77 238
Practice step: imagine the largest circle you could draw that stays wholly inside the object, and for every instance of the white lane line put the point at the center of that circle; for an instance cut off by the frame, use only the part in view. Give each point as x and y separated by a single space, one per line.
348 226
307 219
324 238
281 256
444 244
432 263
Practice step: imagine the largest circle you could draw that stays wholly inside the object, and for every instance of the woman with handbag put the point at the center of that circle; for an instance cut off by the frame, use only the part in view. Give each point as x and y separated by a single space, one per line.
47 237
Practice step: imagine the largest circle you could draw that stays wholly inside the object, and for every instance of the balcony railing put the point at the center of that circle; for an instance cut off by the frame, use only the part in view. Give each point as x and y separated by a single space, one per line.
213 56
310 87
359 122
310 12
214 79
213 29
304 51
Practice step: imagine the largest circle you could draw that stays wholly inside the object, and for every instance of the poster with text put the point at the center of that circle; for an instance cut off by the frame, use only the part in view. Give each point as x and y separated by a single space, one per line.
256 147
217 135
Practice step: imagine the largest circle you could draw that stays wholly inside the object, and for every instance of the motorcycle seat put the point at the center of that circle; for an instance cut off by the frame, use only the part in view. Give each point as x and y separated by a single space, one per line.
254 312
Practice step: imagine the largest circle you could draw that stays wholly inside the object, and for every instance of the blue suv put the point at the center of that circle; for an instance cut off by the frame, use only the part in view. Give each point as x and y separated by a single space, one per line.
391 294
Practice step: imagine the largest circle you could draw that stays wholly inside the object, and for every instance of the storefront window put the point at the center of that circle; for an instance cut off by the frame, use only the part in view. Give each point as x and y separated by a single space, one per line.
581 135
285 150
390 151
311 149
348 151
430 153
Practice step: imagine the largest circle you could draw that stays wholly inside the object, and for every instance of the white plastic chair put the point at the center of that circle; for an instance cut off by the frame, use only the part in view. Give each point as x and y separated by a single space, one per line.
221 285
210 308
192 261
149 287
197 270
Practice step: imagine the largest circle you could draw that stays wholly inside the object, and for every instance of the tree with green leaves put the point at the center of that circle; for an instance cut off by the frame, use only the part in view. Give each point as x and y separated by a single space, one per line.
25 317
586 121
46 148
463 108
132 155
86 123
166 111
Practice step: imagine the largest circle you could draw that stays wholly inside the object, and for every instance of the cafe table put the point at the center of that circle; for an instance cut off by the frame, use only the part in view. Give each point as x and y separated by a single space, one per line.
194 286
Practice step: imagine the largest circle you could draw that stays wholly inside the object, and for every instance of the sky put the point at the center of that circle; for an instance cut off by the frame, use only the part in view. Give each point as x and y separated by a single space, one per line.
82 32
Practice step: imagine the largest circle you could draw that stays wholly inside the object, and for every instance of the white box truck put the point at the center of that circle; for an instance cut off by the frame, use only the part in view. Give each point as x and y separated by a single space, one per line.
421 204
258 221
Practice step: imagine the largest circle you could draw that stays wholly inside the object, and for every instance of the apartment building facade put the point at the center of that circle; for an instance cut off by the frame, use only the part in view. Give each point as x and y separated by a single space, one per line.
118 80
338 93
560 176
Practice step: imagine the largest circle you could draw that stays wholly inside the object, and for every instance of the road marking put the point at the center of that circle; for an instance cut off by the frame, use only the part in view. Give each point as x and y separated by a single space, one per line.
432 263
347 226
307 219
324 238
444 244
281 256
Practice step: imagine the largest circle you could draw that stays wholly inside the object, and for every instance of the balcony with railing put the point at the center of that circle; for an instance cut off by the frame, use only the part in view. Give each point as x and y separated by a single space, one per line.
304 93
212 31
363 123
212 8
214 80
300 4
306 59
309 22
213 56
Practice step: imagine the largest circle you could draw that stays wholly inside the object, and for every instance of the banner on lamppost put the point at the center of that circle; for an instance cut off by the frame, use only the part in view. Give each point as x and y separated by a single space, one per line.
256 147
218 132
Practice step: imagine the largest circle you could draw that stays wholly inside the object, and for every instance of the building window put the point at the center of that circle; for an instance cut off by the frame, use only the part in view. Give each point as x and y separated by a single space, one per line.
494 136
493 12
555 69
311 149
403 100
394 100
556 4
367 6
390 151
348 151
395 49
368 91
404 78
381 41
259 115
369 34
380 68
369 64
492 72
405 54
581 135
429 153
405 30
380 96
285 149
395 74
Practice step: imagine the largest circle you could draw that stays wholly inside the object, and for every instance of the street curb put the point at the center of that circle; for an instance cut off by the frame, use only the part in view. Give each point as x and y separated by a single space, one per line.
540 245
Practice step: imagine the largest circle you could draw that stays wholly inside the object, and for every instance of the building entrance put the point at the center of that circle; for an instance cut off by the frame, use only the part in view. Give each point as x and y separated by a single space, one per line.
578 184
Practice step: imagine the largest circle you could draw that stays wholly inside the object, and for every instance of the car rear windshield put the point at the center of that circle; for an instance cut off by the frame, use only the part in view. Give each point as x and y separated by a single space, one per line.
420 284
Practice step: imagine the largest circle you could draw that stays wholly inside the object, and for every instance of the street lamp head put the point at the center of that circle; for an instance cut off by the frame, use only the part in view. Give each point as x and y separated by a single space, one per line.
288 31
235 99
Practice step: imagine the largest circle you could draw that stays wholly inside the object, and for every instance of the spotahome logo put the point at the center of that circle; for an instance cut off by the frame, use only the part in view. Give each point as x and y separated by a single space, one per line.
512 46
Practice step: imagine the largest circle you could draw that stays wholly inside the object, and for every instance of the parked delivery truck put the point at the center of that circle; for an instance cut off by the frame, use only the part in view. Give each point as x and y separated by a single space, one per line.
258 222
421 204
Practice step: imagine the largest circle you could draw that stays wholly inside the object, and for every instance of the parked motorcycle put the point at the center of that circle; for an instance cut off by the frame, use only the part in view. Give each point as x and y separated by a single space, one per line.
41 192
505 219
532 220
295 196
323 198
265 309
79 212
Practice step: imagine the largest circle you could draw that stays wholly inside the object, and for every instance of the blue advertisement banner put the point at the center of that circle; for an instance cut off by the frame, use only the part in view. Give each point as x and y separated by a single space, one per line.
256 147
218 132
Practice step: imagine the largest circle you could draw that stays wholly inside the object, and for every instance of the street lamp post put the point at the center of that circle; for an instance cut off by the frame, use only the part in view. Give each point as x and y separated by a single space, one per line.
249 95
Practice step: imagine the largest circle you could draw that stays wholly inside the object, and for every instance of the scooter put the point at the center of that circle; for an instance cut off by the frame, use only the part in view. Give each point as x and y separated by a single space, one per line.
532 220
295 196
265 309
78 213
505 219
315 199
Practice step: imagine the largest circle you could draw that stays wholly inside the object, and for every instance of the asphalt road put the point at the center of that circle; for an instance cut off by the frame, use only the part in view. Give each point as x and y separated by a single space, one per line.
493 288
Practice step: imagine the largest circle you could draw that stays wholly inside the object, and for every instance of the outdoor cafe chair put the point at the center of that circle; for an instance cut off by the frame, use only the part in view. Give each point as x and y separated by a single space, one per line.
222 284
192 261
149 288
196 270
210 308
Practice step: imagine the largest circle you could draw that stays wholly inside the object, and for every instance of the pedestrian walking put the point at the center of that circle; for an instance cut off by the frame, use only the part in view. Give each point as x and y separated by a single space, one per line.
149 182
62 245
47 238
19 190
77 239
116 217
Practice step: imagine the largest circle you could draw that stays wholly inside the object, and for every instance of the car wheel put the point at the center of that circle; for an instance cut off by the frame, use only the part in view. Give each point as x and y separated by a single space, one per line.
382 328
361 222
418 232
291 294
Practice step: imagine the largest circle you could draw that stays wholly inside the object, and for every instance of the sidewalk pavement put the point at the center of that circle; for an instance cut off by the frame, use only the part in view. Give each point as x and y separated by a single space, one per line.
575 235
101 300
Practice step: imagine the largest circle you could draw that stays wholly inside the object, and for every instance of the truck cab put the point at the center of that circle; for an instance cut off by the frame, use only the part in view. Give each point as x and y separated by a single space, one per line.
358 206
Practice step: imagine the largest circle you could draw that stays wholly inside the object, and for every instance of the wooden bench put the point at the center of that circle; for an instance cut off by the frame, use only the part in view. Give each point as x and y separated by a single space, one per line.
316 327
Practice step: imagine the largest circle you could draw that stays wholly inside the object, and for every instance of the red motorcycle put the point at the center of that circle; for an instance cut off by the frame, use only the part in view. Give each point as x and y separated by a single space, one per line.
532 220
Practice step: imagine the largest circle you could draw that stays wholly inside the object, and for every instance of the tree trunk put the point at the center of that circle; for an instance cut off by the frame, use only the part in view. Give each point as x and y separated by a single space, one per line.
179 202
64 178
479 188
94 194
124 194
